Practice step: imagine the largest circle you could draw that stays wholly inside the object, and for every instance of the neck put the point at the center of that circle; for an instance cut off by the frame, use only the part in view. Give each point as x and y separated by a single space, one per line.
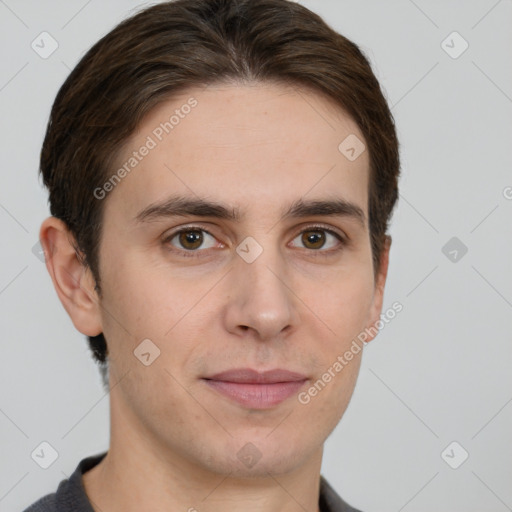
138 474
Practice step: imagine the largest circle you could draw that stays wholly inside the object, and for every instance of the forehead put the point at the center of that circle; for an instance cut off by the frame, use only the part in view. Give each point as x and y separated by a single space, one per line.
253 146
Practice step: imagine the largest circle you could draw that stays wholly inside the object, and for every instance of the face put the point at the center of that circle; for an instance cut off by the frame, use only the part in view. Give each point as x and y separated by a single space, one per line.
220 251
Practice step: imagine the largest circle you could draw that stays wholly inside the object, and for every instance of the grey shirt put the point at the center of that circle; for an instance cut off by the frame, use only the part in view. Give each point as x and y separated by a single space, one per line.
71 497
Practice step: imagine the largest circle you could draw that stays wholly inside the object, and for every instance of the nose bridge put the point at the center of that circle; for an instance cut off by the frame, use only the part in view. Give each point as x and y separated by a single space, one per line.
260 298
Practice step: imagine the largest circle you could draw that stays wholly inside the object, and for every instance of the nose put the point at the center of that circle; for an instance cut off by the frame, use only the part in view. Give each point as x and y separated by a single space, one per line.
262 302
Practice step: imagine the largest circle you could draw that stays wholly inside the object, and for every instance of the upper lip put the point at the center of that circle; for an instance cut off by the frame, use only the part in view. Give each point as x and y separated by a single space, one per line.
250 376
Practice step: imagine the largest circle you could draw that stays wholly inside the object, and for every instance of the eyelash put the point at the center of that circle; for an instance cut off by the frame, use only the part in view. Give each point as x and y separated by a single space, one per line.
317 253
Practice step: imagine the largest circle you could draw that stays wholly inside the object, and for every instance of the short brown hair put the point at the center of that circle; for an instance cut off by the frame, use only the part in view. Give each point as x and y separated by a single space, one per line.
172 46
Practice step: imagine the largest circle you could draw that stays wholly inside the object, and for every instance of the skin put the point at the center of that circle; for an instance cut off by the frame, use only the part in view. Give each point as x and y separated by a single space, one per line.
174 440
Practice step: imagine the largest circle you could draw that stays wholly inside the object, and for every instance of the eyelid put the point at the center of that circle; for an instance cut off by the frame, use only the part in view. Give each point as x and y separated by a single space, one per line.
187 227
343 239
192 227
302 228
324 227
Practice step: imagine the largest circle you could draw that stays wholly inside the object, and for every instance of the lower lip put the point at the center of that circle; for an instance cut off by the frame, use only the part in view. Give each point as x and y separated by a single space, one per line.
256 396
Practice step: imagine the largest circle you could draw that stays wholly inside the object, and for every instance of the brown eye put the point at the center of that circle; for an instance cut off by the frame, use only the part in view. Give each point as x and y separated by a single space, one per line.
317 237
190 239
313 239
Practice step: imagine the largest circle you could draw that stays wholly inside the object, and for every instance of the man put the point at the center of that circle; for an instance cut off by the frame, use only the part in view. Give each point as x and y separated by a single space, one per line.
221 177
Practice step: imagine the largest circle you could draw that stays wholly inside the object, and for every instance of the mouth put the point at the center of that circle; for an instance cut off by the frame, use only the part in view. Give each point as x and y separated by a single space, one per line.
256 390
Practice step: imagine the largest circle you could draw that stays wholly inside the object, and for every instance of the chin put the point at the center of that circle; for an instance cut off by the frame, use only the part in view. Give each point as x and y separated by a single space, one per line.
258 459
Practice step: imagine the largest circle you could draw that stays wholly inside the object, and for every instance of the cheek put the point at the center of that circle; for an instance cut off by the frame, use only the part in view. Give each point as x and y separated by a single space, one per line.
143 301
344 308
134 306
344 303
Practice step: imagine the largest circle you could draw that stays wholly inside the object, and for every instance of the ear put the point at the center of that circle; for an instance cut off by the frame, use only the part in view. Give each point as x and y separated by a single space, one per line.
378 294
73 281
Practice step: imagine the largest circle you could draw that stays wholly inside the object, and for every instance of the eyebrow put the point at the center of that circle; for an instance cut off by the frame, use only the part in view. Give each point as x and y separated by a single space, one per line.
180 206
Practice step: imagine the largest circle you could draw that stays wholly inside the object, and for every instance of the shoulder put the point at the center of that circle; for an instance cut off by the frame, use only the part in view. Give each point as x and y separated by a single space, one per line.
330 501
44 504
70 494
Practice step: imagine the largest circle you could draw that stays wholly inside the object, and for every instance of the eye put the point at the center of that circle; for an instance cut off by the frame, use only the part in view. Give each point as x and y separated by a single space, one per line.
188 240
318 237
191 238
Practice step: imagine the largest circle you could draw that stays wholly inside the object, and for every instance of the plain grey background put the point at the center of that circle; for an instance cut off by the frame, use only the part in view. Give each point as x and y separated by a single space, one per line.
438 373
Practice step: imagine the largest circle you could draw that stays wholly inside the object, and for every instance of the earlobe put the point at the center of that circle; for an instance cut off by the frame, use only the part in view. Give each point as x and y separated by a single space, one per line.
73 281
